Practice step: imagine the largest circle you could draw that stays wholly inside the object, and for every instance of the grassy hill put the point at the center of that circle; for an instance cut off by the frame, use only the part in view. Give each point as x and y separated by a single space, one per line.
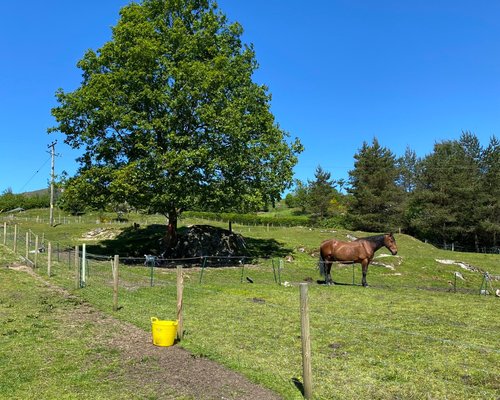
409 335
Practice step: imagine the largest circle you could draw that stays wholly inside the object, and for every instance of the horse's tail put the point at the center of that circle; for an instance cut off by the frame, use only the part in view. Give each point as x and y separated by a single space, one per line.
321 264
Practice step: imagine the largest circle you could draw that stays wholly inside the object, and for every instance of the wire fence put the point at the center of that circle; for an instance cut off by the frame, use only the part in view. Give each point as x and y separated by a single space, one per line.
467 249
66 262
74 267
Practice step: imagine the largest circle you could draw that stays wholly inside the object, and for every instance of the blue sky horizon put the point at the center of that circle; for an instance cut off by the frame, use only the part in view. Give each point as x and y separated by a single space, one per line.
340 73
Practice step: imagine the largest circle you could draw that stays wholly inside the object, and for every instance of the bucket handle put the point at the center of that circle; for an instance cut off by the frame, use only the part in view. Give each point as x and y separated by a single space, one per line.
154 319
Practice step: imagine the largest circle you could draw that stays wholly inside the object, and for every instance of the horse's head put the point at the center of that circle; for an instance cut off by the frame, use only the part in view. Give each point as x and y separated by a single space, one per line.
390 243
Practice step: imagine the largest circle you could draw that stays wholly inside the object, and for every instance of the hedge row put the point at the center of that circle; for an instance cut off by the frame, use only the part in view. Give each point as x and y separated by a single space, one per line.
249 219
9 201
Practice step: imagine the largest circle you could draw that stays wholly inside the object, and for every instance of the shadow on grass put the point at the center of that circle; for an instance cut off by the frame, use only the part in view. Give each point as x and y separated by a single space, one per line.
132 242
136 242
299 385
265 248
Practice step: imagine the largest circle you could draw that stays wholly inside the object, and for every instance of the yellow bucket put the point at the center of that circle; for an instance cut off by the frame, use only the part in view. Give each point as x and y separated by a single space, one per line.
164 332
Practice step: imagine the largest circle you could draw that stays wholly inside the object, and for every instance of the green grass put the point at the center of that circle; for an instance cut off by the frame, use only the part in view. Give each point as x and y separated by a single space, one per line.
407 336
39 356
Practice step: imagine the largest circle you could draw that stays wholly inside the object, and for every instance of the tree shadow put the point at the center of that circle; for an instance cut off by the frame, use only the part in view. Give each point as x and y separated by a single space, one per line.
265 248
137 241
132 242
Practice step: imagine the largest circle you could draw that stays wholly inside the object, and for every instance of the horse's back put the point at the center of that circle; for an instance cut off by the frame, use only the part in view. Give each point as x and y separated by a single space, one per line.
328 246
337 250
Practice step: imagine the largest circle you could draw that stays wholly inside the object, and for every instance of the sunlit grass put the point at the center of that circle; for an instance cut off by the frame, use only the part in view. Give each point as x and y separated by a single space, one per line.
407 336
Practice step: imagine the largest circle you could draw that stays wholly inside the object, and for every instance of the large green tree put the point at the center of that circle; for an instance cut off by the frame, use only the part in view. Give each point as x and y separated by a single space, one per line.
433 211
452 198
490 185
169 117
376 199
407 165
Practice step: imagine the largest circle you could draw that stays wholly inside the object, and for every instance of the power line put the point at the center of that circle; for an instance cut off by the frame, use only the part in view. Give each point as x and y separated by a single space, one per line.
37 171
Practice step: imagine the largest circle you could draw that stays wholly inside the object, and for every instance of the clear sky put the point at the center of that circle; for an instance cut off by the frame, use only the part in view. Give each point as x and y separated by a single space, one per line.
341 72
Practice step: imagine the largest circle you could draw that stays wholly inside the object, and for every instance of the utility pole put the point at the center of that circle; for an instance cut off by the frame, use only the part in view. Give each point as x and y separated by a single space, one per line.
52 177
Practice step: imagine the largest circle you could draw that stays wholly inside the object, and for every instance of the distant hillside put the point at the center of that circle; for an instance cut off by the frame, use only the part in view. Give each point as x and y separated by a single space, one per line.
39 192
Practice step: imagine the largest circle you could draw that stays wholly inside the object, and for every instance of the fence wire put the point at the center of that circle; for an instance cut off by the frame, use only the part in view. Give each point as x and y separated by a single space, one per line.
149 271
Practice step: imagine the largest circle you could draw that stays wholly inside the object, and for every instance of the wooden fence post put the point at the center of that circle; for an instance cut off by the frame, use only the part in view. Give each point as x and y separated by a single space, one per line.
36 252
180 291
115 282
15 238
49 258
4 233
306 341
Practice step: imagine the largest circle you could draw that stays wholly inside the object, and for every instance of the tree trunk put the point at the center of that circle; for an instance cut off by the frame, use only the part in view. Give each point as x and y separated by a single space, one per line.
170 238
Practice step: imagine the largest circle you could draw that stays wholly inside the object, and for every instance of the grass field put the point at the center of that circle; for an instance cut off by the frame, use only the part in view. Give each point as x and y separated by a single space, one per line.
43 355
407 336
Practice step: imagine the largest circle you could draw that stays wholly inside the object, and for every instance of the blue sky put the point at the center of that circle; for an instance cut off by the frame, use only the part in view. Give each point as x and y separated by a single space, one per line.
341 72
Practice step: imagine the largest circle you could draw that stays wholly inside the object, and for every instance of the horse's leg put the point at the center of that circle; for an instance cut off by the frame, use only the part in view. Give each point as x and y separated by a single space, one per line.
364 266
328 277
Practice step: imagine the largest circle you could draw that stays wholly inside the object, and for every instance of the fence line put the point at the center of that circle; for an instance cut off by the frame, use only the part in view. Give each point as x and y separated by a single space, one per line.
80 256
276 271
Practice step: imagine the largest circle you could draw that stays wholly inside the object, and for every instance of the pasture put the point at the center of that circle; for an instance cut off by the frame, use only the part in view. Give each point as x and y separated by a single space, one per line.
409 335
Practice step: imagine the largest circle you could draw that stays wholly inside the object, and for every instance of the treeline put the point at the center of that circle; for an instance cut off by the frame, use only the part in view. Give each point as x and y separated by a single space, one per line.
10 201
449 196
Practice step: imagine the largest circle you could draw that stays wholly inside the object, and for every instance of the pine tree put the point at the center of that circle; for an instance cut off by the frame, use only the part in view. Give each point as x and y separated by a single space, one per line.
448 203
320 193
490 184
376 198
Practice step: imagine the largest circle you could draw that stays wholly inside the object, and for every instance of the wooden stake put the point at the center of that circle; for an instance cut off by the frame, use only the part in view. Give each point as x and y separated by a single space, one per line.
15 238
306 341
180 291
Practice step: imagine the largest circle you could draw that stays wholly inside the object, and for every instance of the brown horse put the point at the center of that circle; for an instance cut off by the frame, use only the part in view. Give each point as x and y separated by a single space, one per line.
358 251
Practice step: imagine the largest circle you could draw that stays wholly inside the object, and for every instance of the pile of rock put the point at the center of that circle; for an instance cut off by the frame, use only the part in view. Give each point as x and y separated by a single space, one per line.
206 240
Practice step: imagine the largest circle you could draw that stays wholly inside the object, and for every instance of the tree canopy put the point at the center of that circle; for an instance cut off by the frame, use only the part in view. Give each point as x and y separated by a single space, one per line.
376 197
457 196
169 117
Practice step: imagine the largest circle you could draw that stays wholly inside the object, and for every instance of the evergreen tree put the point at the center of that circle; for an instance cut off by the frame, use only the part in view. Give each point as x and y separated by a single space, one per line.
447 202
431 214
469 195
407 165
490 185
320 193
376 198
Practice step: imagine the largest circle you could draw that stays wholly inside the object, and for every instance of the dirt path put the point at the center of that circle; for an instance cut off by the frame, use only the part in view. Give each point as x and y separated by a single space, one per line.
169 372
